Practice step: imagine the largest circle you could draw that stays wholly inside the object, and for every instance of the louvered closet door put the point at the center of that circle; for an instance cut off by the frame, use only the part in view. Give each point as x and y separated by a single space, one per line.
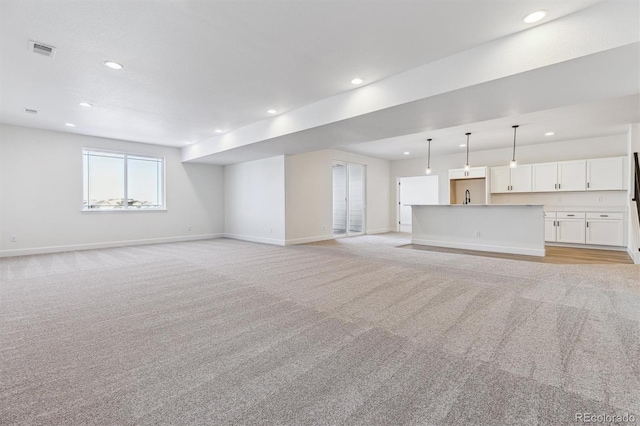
339 199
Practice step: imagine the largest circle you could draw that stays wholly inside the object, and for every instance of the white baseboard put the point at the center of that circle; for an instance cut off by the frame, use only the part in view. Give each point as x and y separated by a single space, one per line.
308 240
634 255
381 231
481 247
587 246
111 244
253 239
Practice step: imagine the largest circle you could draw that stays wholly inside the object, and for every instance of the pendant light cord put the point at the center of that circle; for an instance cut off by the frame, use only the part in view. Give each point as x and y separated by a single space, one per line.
514 142
467 147
429 154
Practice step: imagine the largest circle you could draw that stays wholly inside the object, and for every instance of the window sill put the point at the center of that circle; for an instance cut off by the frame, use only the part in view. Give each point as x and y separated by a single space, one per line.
124 211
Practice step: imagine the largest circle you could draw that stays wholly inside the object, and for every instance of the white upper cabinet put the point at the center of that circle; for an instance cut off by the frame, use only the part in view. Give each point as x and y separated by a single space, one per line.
599 174
545 177
562 176
606 174
521 178
505 179
500 180
477 172
572 175
473 173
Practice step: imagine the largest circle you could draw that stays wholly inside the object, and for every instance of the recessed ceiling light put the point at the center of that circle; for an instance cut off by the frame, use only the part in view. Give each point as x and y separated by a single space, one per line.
534 16
406 153
549 134
69 124
357 81
462 145
272 111
219 131
113 65
85 104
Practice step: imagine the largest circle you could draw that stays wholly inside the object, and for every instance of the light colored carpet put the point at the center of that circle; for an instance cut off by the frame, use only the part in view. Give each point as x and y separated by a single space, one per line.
353 332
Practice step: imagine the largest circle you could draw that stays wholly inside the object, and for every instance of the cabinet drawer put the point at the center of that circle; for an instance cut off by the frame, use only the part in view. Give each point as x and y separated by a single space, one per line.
571 215
550 215
605 215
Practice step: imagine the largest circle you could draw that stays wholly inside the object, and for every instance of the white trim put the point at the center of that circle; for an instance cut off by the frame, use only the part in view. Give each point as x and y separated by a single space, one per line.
308 240
111 244
253 239
381 231
125 156
481 247
129 210
585 246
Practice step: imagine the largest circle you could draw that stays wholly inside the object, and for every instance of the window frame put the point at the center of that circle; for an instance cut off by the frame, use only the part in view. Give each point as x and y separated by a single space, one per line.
125 208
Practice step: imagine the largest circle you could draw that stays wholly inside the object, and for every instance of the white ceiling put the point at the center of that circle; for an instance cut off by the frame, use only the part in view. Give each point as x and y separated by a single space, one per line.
194 66
574 89
580 121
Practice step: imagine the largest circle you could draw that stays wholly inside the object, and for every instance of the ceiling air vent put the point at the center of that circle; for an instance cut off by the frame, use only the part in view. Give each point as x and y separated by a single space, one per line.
30 111
42 49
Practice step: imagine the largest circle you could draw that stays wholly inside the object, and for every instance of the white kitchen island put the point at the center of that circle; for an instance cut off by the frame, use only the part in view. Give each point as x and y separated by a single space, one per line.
503 228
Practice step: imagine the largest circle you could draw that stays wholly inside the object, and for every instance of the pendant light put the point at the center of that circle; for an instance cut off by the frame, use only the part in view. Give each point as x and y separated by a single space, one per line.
514 163
467 167
428 171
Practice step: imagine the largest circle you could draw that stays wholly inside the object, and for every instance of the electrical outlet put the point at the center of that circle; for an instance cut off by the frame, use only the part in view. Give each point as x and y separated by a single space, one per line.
323 228
189 228
599 198
272 230
14 238
477 233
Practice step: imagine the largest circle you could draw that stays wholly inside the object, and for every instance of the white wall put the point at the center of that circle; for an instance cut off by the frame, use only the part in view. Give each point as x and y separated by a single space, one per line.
309 194
254 202
41 196
633 145
608 146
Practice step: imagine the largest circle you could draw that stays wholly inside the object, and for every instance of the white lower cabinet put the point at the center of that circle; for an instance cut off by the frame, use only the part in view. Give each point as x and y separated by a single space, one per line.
571 231
603 229
550 230
550 226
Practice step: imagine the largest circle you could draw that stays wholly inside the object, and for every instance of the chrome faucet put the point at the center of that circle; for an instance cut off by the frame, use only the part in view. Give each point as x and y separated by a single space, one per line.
467 197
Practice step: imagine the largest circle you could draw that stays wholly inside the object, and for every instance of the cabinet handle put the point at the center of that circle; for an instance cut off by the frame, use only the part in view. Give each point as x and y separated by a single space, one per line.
587 224
559 185
604 215
571 215
588 184
556 186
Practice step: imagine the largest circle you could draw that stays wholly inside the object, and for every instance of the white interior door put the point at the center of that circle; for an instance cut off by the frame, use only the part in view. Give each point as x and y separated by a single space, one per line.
348 199
414 190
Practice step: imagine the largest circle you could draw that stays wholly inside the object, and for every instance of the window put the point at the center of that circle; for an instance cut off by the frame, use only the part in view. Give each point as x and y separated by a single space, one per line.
110 178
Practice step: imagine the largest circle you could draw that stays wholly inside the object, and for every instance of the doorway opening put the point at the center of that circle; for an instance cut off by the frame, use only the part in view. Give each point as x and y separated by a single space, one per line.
348 199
